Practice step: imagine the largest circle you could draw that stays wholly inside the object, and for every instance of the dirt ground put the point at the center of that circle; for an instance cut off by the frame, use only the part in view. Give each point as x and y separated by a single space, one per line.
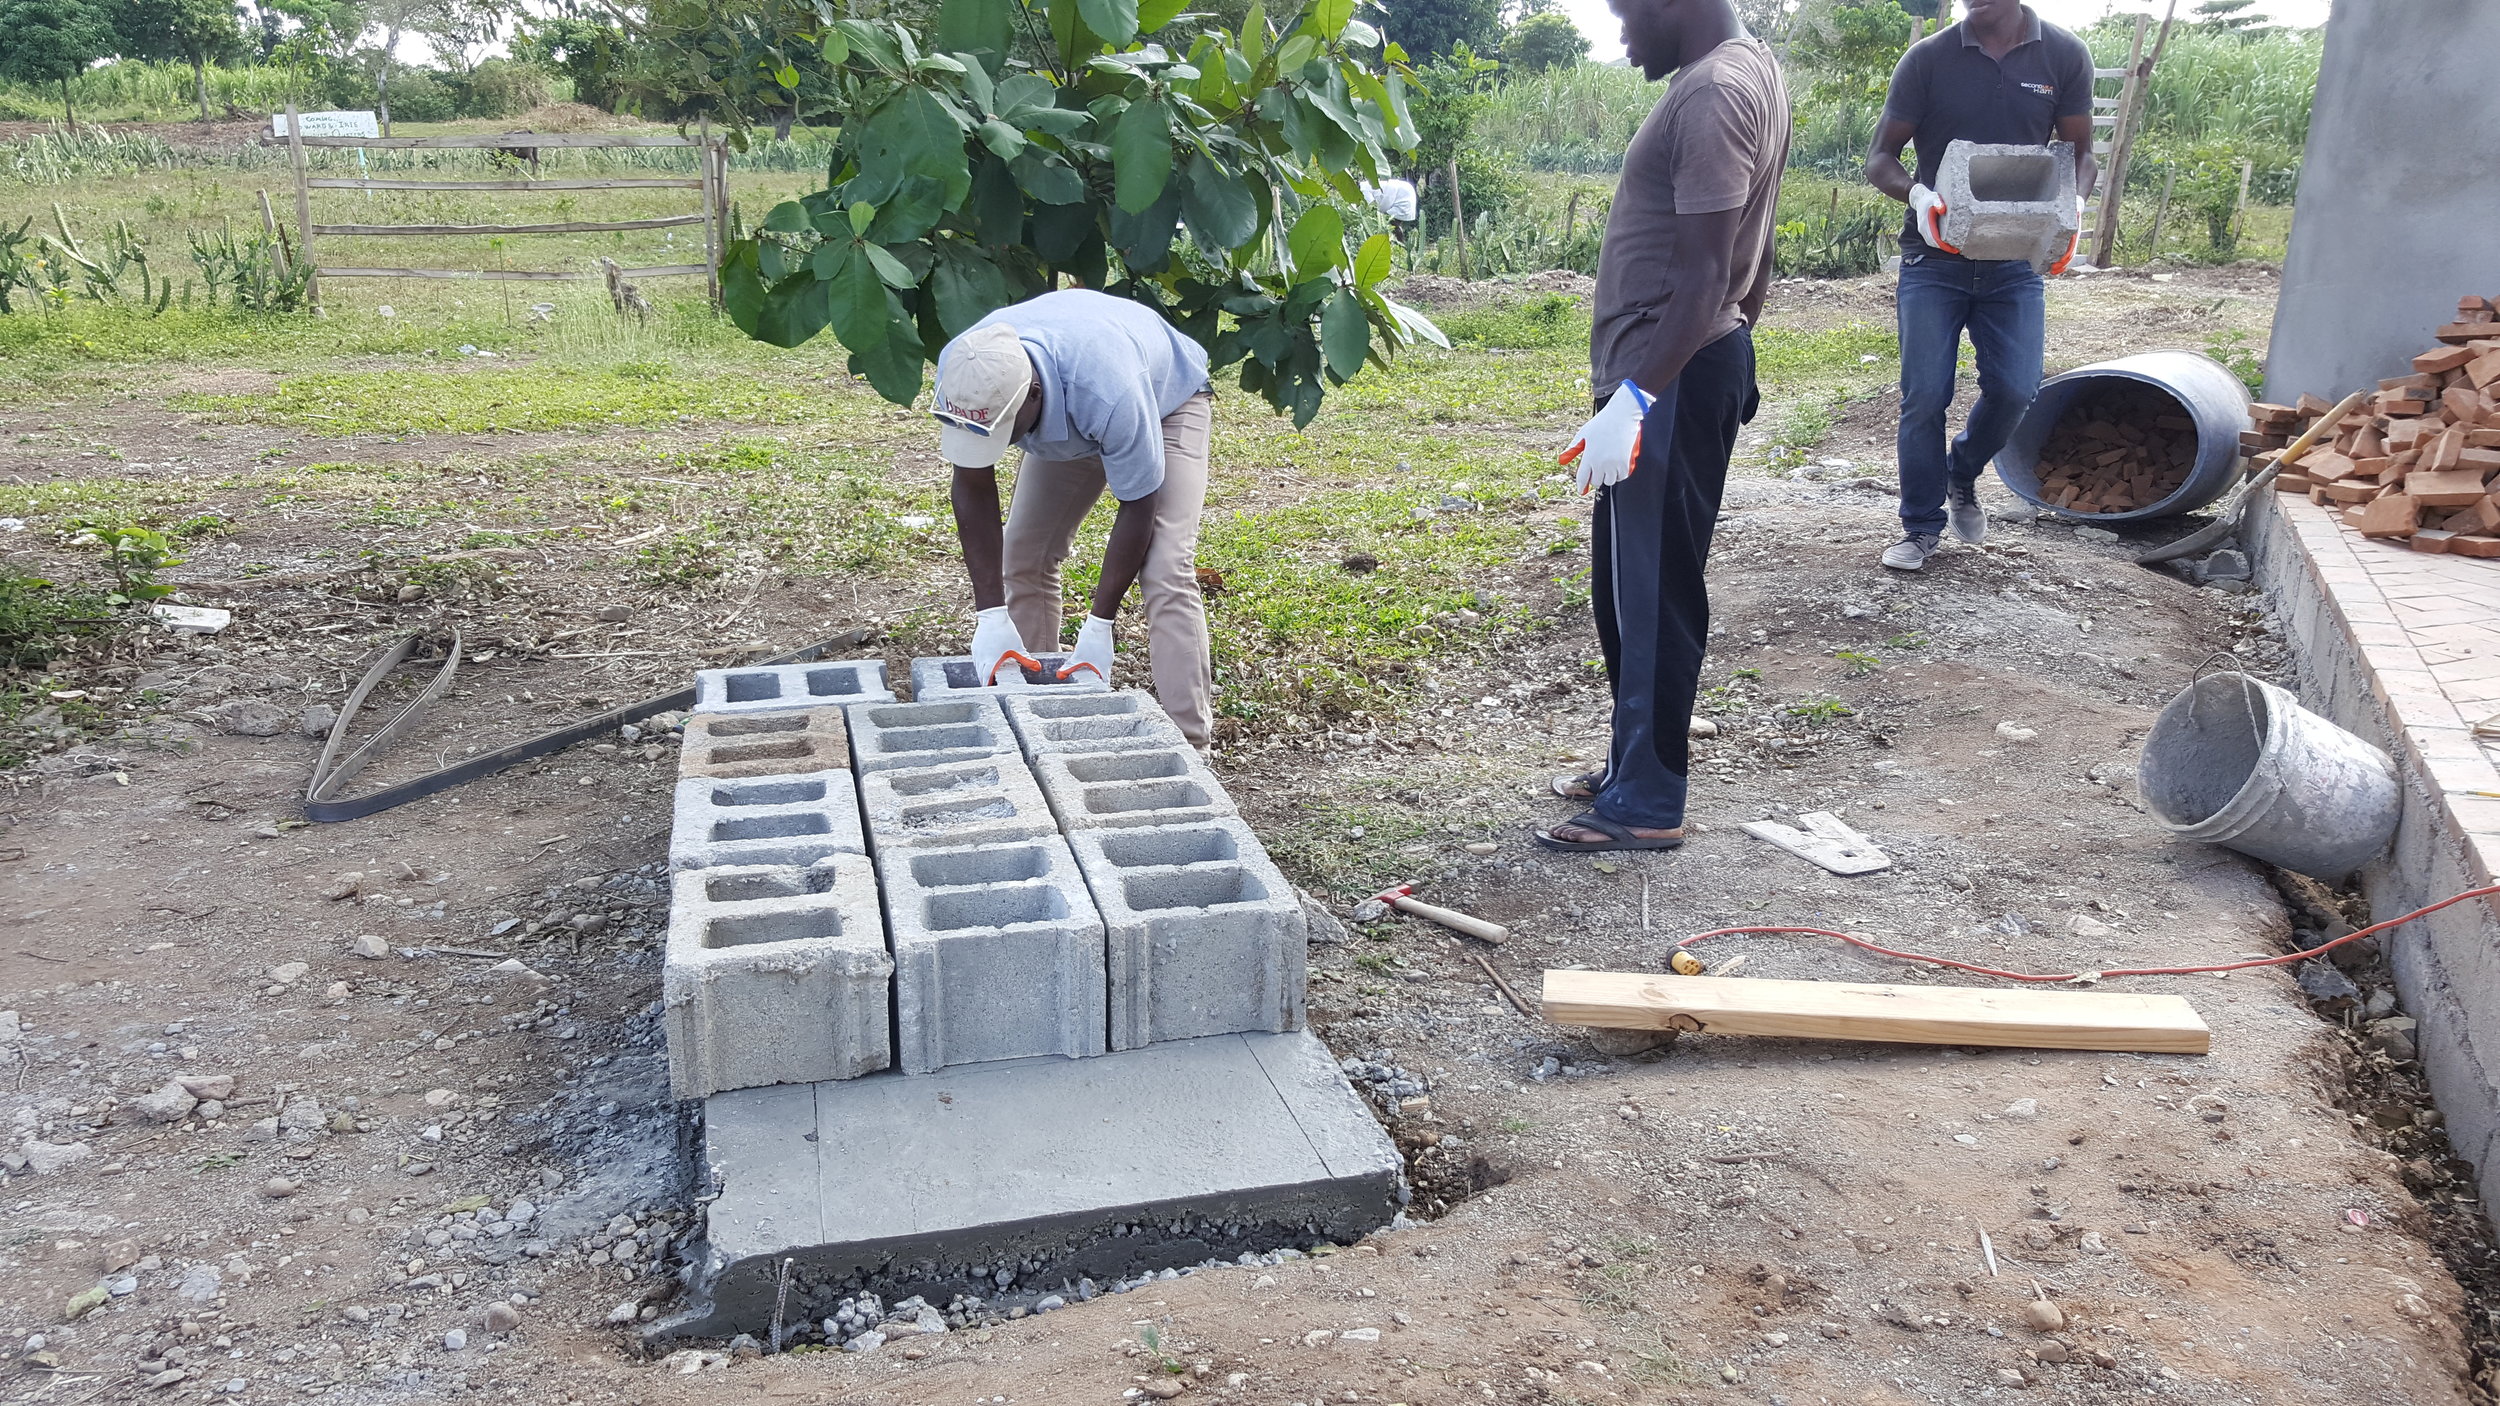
450 1170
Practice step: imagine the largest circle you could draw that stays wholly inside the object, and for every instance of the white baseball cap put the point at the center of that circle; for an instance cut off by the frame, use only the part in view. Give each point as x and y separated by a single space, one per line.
979 392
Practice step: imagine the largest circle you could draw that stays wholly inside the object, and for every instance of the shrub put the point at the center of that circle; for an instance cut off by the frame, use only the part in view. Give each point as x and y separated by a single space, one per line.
421 97
502 88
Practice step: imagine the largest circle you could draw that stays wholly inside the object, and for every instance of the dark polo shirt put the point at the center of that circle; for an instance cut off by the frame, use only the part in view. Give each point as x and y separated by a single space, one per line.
1948 88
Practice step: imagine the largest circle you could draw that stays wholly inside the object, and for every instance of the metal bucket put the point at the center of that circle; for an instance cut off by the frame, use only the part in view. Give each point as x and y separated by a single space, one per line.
2205 391
2237 761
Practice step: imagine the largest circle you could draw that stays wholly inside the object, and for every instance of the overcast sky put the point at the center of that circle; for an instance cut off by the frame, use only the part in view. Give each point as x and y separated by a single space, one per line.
1605 41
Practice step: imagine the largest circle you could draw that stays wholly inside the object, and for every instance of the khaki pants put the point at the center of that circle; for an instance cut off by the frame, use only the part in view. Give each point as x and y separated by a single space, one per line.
1051 500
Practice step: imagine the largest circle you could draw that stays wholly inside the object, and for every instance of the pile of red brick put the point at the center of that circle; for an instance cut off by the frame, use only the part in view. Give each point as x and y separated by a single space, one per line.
2115 449
2418 459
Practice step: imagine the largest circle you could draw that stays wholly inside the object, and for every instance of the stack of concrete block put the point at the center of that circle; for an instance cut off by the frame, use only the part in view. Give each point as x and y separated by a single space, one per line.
1203 935
777 968
997 945
2009 202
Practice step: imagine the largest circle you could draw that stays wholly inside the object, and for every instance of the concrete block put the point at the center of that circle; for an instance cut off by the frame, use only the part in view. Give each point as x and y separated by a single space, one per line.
962 728
796 741
961 803
1202 936
1122 721
767 687
1108 790
2009 202
1051 1169
943 678
765 820
997 954
775 975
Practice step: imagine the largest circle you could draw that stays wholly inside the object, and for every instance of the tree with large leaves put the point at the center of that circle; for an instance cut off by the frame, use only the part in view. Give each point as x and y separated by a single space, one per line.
1011 144
53 41
196 32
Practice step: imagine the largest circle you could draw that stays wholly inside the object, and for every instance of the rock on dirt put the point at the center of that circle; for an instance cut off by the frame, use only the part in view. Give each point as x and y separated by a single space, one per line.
169 1104
250 717
370 947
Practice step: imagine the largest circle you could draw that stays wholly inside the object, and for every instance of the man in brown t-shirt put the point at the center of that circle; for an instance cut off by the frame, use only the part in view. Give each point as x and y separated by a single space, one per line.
1680 282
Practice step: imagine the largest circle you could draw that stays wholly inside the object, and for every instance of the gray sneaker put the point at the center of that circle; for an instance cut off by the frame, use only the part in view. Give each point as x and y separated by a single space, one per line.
1911 552
1962 511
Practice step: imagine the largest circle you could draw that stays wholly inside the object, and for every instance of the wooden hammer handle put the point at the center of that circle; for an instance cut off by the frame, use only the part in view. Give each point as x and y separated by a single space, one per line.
1454 920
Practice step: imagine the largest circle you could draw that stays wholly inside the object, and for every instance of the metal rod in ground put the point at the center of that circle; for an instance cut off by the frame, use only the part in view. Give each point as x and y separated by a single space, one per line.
1504 987
781 1300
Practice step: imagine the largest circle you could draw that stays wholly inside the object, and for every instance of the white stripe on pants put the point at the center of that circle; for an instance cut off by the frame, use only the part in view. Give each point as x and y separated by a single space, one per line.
1051 499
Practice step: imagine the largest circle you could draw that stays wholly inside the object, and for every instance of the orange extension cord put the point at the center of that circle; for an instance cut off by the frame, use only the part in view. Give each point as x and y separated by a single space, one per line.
2286 958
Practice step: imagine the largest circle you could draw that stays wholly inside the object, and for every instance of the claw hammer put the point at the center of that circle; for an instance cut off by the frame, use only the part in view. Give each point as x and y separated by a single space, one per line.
1401 897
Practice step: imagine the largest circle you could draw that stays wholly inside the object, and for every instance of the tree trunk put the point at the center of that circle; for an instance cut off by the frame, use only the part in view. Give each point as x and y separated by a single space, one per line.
199 81
68 111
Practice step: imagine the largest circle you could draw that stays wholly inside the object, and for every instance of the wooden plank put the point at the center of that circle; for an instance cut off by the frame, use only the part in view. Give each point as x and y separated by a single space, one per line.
500 139
1832 1010
559 227
564 183
509 275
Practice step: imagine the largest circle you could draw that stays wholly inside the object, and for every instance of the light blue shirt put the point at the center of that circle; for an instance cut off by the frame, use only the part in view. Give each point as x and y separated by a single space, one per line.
1110 369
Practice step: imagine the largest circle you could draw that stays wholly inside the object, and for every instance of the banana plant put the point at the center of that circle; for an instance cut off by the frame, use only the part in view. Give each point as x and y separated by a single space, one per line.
1015 146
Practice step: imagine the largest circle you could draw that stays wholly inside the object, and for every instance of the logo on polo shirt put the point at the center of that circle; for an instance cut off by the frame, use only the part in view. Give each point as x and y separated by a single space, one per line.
2046 90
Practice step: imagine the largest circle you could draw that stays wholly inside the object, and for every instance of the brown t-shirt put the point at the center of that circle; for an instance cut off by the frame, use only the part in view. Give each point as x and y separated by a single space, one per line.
1718 140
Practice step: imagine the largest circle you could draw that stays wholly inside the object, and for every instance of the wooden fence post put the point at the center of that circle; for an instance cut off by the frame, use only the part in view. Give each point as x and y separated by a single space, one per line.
712 235
277 242
2161 212
1458 218
2247 166
2121 139
303 208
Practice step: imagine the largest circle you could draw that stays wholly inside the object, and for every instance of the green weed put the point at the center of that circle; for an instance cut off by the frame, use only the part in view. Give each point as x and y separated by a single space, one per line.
1819 712
1859 661
40 619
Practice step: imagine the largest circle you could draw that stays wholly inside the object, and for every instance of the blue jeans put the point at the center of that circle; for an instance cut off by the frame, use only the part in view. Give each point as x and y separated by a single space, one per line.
2003 304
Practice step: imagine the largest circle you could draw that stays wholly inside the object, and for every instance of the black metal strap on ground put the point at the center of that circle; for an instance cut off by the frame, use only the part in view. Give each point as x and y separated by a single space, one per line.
321 801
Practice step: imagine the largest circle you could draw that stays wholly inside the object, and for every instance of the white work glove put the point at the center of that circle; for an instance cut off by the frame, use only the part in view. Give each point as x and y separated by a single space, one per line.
1093 650
1927 210
2072 244
1610 443
995 645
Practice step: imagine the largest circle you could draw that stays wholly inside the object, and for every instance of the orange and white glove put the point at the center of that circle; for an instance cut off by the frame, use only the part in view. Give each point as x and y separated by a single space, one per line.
1927 211
995 645
1610 443
2072 244
1093 650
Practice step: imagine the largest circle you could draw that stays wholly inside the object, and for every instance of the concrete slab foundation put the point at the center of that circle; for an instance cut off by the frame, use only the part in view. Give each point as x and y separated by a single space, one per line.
1202 935
775 975
765 820
773 686
940 678
793 742
1122 721
2009 202
1026 1175
997 954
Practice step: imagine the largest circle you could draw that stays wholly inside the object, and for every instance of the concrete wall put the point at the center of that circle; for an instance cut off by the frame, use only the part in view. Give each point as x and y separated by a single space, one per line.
2399 211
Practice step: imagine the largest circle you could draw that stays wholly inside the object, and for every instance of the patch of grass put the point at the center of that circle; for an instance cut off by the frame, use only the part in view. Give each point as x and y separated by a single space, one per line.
1553 321
518 398
41 619
1320 850
1802 428
1819 712
1793 357
680 559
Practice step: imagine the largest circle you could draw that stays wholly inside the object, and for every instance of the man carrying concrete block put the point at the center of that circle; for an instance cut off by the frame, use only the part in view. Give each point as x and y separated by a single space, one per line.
1099 392
2001 76
1680 283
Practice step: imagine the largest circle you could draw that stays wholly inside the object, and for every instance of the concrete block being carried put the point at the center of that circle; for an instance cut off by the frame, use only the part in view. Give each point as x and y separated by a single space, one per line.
962 728
1123 721
768 687
942 678
1115 790
775 975
765 820
1203 935
2009 202
998 954
797 741
960 803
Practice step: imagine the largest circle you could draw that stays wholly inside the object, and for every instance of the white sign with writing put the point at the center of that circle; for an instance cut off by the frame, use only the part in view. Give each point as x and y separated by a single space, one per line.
329 124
